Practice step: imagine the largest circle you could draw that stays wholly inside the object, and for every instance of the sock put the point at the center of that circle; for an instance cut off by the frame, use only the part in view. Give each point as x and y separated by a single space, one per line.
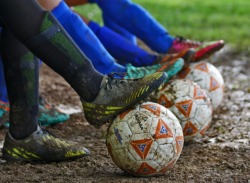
46 38
119 30
85 38
120 48
3 90
119 68
21 73
137 21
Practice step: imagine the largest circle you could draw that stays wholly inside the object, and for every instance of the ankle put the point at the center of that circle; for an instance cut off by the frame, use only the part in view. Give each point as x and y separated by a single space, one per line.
21 132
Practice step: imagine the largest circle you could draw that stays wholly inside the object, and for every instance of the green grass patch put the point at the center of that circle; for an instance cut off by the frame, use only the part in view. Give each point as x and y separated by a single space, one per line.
198 20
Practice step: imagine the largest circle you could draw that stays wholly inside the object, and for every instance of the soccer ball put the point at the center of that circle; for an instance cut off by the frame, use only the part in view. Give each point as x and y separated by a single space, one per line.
208 77
145 140
190 105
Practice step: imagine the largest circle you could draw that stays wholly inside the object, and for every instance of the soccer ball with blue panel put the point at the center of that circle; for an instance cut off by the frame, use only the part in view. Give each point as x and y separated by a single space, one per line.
189 103
208 77
146 140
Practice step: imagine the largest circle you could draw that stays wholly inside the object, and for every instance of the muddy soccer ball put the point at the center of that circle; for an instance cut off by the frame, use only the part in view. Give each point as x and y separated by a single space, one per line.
190 105
145 140
208 77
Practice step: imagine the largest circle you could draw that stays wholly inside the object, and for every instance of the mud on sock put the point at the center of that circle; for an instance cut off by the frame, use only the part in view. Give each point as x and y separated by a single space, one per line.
21 73
46 38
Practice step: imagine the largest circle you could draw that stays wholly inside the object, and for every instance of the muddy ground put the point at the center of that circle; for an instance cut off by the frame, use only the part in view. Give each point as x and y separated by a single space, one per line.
222 155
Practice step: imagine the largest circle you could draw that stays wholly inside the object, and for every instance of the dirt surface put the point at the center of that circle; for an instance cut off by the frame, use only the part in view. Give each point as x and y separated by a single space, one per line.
222 155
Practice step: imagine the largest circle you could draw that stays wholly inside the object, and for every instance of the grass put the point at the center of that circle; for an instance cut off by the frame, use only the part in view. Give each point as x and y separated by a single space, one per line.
195 19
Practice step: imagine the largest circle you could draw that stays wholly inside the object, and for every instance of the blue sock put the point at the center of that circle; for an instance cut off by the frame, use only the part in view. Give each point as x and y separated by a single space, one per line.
137 21
118 29
120 48
3 89
85 39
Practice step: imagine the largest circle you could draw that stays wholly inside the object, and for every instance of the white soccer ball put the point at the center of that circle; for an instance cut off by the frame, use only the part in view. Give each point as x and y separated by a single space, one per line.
146 140
190 105
208 77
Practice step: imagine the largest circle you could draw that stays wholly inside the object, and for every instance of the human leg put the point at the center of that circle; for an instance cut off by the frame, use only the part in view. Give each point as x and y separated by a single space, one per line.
42 34
139 22
127 53
102 97
4 103
3 90
120 48
118 29
46 116
21 73
86 40
25 140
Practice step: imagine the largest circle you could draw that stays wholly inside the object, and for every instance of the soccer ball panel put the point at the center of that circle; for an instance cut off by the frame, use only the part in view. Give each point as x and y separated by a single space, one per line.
126 163
163 158
150 107
118 133
141 146
162 132
115 142
191 129
216 97
203 115
140 121
147 168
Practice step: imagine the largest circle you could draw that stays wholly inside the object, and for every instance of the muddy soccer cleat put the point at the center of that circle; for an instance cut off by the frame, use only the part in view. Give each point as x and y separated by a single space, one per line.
187 55
48 115
117 95
41 146
171 68
203 50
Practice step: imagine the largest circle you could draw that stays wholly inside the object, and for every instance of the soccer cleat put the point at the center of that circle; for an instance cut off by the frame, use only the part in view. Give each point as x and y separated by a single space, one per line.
48 115
207 49
203 50
187 55
117 95
41 146
171 68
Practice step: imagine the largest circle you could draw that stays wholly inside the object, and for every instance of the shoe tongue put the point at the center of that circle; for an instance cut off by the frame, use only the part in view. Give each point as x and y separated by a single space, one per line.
38 130
104 81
